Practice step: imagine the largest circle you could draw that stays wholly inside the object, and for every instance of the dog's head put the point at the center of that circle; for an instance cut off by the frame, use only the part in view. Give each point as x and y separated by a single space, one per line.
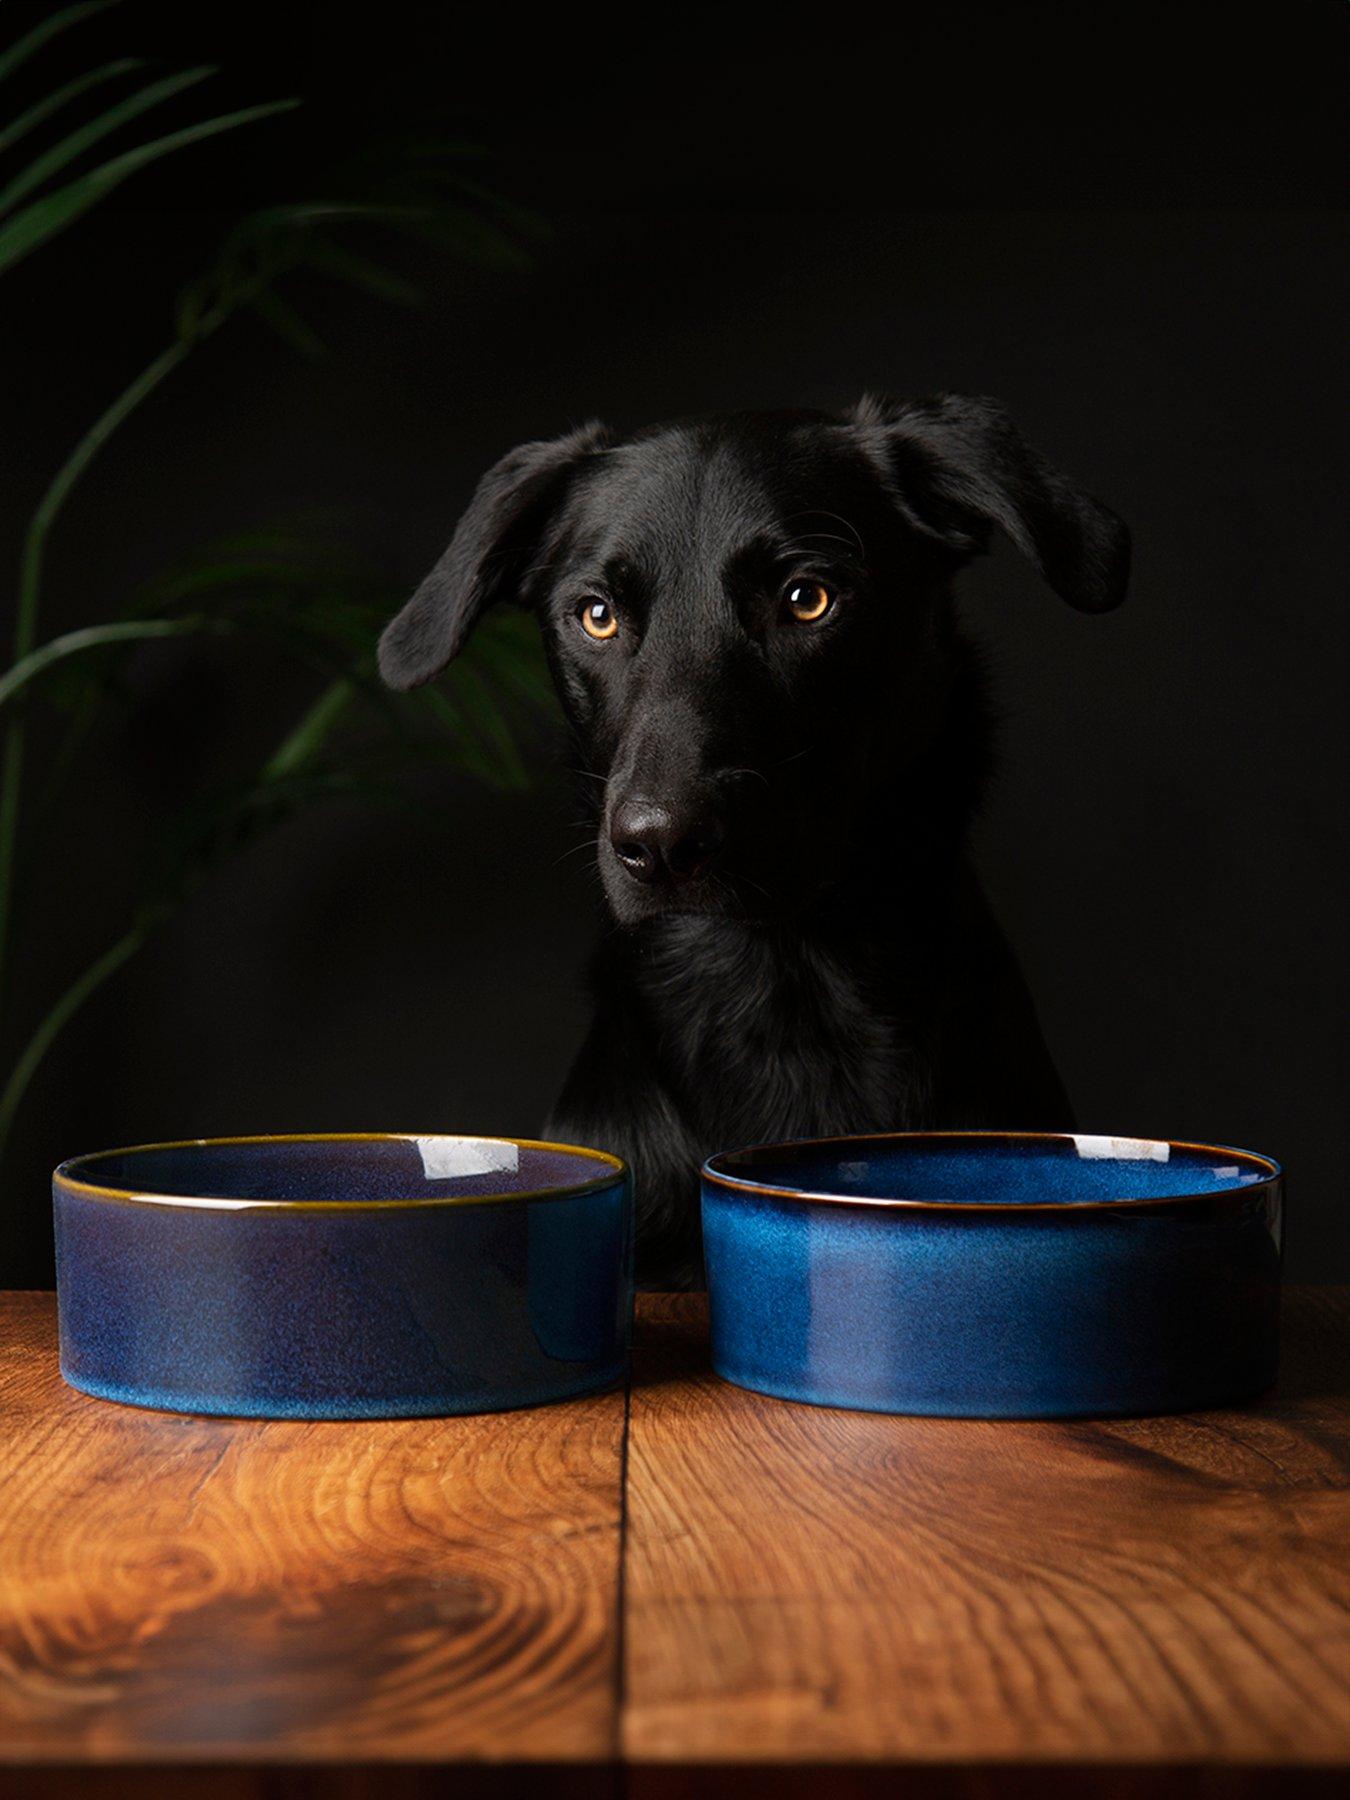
746 619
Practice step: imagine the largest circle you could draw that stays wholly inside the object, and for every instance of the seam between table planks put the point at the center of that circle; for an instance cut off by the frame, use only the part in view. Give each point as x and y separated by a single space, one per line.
766 1727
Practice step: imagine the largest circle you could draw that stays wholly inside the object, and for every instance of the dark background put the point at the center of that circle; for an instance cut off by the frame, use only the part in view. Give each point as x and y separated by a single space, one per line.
1123 220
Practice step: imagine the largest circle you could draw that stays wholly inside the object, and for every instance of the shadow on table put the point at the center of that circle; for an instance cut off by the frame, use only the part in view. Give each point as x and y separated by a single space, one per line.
654 1781
1314 1349
995 1781
670 1340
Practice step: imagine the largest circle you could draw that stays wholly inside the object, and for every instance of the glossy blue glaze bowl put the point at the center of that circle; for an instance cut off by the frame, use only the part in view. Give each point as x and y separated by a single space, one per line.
344 1277
994 1275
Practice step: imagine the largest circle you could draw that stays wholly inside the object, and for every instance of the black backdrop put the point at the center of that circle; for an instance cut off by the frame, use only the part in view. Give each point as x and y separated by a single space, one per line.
1124 220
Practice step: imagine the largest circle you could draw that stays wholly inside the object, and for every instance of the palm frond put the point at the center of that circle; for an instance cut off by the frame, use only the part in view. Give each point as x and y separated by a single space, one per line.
312 733
314 605
47 29
287 323
361 272
75 143
91 637
29 229
62 96
289 594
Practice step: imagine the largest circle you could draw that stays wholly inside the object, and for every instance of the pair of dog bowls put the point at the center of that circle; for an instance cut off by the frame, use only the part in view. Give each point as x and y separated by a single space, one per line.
964 1274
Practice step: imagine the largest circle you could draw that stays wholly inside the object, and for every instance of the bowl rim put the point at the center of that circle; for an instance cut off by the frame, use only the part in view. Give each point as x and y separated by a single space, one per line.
1272 1173
65 1175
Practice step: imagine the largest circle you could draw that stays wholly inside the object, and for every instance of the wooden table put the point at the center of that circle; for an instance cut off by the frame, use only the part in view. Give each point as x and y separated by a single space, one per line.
685 1589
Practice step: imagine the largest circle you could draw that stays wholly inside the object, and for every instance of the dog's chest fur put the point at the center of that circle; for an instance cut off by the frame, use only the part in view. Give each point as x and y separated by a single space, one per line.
766 1033
711 1034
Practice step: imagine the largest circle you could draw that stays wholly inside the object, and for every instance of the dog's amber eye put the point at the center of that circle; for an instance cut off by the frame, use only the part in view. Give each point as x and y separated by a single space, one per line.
598 619
808 601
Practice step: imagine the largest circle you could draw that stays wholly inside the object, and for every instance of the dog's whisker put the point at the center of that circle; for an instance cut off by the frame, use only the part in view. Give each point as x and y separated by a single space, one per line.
576 850
760 890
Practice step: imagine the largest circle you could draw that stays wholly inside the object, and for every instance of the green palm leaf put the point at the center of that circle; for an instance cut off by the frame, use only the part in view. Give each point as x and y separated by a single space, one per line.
361 272
39 35
312 733
288 325
91 637
52 161
44 108
354 741
32 227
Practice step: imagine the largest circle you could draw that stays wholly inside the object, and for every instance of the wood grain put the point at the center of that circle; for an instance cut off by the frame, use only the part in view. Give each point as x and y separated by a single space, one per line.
813 1587
177 1590
813 1601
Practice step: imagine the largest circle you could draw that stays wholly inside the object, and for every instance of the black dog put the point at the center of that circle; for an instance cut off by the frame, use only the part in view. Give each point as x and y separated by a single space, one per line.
748 621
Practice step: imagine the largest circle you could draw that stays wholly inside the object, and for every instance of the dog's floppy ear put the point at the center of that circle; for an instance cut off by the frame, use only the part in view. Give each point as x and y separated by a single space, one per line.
957 466
487 557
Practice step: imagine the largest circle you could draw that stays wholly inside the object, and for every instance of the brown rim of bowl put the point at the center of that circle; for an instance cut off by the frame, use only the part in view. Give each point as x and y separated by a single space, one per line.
1271 1172
616 1170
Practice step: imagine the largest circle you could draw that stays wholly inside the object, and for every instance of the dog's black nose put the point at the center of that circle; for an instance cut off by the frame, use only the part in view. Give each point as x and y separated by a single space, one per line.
660 843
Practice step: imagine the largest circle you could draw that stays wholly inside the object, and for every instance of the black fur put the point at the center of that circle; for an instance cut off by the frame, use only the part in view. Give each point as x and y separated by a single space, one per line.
833 967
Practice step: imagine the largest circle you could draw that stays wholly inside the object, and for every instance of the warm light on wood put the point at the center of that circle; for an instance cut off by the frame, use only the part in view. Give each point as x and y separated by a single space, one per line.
921 1600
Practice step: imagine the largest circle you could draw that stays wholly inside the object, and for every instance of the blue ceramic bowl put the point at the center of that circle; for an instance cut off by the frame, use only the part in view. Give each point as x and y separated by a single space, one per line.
344 1277
994 1275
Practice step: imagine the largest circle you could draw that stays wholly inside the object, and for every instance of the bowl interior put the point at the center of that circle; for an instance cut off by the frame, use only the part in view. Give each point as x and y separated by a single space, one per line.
975 1169
345 1169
